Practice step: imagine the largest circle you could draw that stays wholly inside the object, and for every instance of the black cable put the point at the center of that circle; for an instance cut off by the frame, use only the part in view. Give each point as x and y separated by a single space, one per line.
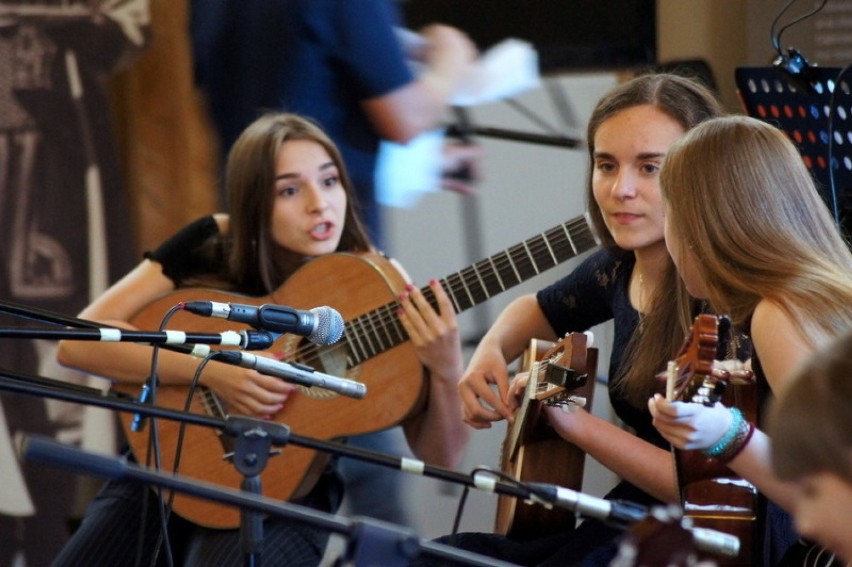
776 38
832 187
154 453
801 18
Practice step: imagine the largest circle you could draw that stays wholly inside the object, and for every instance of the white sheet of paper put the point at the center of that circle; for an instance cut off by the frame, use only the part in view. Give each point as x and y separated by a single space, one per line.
405 171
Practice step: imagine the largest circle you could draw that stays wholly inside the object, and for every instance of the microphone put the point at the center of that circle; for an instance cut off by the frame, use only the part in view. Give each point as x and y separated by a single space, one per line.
321 325
293 372
617 511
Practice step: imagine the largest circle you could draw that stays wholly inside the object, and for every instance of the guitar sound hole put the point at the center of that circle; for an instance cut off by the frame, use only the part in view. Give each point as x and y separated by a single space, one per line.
326 359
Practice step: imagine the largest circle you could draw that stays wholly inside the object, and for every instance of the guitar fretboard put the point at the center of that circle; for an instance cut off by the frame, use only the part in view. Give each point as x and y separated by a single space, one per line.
379 330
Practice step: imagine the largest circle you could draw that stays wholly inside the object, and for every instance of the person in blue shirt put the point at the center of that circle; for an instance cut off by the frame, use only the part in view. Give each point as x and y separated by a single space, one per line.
344 64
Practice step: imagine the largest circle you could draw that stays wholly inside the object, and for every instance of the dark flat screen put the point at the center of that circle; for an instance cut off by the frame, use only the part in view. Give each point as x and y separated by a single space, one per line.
567 34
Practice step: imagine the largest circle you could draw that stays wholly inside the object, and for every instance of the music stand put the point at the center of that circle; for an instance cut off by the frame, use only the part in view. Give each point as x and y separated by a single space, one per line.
769 95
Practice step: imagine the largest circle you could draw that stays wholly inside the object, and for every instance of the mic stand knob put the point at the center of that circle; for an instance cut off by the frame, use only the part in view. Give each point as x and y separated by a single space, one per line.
373 542
254 439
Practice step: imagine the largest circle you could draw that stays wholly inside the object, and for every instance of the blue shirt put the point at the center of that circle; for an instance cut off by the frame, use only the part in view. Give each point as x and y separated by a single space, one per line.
338 53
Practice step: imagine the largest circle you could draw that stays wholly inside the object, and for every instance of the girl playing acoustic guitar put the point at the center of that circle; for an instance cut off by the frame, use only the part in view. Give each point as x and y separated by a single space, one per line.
749 232
632 282
290 201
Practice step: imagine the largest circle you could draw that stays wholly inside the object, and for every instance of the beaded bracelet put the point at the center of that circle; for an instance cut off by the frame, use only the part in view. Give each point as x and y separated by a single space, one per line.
736 446
730 435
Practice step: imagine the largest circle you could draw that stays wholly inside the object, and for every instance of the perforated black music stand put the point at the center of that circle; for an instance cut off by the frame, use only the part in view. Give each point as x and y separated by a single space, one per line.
769 95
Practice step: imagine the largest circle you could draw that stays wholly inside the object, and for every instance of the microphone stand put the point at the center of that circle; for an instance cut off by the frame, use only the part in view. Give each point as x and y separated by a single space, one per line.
372 542
258 439
466 130
44 316
248 340
254 439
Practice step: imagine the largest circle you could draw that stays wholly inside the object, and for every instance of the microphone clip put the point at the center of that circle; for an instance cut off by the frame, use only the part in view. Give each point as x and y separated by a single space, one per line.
798 71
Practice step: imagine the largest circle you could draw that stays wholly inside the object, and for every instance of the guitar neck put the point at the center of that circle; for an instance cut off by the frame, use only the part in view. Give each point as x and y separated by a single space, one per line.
379 330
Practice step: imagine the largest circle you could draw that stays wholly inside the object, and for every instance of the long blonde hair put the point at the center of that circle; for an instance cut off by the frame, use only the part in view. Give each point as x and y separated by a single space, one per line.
739 196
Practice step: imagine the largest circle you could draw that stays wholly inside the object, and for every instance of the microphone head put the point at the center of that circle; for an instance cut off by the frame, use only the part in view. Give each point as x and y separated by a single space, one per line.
329 327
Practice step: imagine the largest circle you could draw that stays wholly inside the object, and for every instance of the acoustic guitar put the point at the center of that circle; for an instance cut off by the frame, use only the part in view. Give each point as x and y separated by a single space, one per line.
662 538
713 496
561 374
374 350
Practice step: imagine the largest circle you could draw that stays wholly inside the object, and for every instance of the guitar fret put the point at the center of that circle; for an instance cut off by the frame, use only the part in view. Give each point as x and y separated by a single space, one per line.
543 255
522 262
496 272
532 258
371 335
384 323
518 277
451 293
491 285
550 250
351 358
211 403
360 352
467 290
481 284
556 241
570 240
399 332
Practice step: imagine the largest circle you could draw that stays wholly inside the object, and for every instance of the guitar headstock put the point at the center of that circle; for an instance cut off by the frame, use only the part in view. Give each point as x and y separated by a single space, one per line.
690 376
562 370
662 538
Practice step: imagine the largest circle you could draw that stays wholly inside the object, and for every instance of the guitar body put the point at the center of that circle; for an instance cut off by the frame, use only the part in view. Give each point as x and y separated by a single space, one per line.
713 496
374 350
532 450
395 384
660 539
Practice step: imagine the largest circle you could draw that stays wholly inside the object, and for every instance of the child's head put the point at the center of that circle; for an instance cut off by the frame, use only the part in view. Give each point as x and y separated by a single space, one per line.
811 430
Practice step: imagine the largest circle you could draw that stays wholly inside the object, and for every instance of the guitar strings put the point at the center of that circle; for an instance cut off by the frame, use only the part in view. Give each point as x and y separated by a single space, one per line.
555 245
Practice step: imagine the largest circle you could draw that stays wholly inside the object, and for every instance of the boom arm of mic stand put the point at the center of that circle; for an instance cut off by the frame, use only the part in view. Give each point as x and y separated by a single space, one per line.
513 135
624 513
91 330
44 316
243 339
399 544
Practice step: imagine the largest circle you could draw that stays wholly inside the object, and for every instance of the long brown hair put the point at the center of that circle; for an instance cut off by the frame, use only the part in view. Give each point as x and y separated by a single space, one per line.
662 330
250 177
740 198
